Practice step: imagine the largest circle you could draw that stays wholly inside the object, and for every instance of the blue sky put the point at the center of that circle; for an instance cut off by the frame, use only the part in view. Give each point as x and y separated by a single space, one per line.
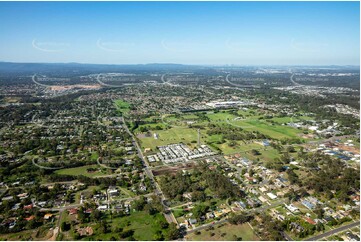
240 33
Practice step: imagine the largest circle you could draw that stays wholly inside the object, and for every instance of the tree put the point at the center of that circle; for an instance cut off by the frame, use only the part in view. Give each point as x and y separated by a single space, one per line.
198 196
240 219
172 232
199 210
255 152
140 203
103 227
96 215
64 226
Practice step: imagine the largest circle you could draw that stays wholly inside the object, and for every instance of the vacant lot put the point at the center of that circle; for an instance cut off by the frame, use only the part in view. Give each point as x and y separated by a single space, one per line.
122 106
144 226
226 232
169 136
81 170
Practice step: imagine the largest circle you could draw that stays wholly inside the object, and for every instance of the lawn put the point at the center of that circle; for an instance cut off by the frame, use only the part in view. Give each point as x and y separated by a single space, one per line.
81 170
231 231
94 156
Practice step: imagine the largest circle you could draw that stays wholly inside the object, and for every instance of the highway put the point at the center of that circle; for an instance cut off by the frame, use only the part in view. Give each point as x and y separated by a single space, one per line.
294 83
238 85
334 231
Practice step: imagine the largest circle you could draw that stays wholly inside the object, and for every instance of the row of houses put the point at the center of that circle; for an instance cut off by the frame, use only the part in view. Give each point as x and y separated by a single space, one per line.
174 153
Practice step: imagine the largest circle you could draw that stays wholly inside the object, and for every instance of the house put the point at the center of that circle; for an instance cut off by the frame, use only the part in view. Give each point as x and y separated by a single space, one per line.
307 204
113 192
85 231
352 237
47 216
241 204
263 189
187 195
210 215
89 210
271 195
296 226
22 195
102 207
27 207
265 143
192 221
30 218
73 211
309 220
292 208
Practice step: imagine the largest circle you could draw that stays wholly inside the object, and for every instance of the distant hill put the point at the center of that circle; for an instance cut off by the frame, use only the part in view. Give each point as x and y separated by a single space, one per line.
31 68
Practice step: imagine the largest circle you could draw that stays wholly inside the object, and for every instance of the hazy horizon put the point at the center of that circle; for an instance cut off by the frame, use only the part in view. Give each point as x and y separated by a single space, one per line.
188 33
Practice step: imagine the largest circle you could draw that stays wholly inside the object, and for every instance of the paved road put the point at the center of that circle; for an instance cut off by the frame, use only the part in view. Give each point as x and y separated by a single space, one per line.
334 231
204 226
294 83
286 236
158 191
238 85
60 209
45 167
259 209
34 79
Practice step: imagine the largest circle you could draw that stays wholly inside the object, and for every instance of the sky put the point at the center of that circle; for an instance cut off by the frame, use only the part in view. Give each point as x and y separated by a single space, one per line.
206 33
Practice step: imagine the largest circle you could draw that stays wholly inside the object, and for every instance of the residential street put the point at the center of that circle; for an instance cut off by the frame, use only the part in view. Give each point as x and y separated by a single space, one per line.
334 231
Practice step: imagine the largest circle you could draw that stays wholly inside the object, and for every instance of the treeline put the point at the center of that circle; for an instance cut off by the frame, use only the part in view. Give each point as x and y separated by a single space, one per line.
233 133
175 186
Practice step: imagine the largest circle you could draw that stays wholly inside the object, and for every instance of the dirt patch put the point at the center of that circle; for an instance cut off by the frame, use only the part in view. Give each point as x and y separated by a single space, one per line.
349 148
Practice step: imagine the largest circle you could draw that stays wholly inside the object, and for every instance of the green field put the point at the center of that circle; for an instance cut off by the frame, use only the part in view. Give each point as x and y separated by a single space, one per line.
122 106
178 130
274 131
81 170
169 136
144 225
267 153
230 232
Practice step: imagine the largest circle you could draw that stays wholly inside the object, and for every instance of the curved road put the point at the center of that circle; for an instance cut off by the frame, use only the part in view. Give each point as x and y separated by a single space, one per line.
295 83
238 85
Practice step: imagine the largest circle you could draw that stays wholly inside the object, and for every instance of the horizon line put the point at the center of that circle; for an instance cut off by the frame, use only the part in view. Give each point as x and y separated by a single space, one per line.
170 63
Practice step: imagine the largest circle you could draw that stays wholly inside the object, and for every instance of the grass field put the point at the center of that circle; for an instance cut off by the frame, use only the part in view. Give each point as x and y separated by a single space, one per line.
122 106
267 153
231 232
150 126
246 119
81 170
144 225
274 131
169 136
